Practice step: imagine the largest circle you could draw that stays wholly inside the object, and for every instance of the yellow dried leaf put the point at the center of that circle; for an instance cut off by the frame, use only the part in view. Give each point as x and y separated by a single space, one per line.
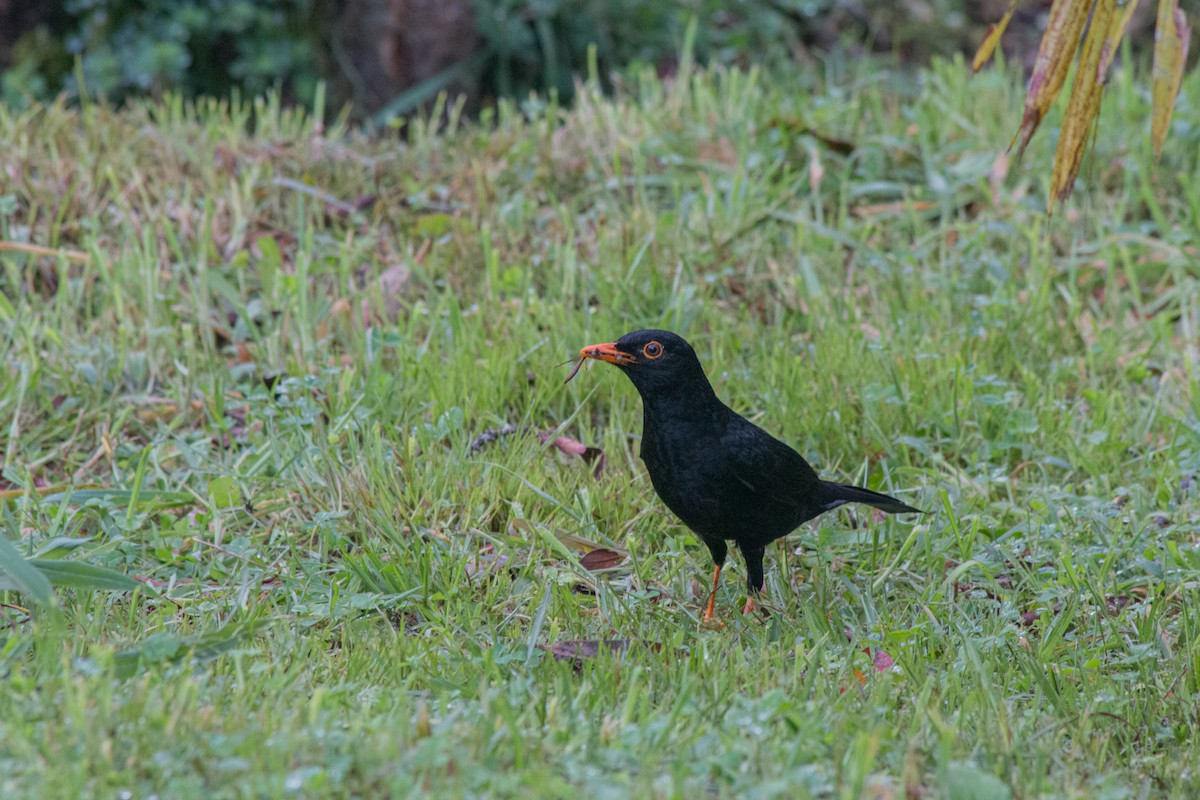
1116 32
1084 105
1055 54
1171 36
992 38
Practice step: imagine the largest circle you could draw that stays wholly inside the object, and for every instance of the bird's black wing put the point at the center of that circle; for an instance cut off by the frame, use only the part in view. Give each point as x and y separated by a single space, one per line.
771 470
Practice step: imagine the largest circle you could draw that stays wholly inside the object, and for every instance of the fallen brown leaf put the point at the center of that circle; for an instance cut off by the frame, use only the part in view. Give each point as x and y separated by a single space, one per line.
578 650
1116 604
600 559
584 648
592 455
485 563
336 209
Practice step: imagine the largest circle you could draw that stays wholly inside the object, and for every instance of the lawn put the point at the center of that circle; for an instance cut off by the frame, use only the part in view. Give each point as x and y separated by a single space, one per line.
252 389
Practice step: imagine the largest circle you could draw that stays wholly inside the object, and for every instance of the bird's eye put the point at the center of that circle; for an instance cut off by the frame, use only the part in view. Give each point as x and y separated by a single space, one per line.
652 350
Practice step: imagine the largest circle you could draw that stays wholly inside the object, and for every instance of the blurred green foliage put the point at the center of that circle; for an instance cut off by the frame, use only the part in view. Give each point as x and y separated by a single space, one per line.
539 45
125 48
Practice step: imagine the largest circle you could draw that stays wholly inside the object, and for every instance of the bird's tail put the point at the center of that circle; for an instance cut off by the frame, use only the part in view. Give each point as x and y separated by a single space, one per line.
840 493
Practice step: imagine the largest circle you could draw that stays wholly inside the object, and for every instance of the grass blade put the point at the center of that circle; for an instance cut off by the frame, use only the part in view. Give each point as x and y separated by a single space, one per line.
124 497
25 576
89 577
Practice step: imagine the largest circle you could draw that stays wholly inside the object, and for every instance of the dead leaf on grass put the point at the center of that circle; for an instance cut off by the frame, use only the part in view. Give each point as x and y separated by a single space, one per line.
486 563
335 209
392 282
577 650
799 127
881 661
1116 604
600 559
592 455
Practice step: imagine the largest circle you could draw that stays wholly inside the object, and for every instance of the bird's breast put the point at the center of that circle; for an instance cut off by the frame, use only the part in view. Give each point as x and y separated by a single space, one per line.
686 471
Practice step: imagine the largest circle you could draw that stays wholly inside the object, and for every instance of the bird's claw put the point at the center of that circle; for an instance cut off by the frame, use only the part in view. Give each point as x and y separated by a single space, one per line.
709 619
753 607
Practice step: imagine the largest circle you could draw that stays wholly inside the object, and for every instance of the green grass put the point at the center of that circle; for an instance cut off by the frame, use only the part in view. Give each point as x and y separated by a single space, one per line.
344 600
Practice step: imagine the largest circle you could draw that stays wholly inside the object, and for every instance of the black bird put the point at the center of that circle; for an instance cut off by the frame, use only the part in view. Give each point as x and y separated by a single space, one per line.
725 477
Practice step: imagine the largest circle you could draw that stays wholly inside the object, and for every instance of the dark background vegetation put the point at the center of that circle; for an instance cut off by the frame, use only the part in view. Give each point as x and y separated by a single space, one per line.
380 57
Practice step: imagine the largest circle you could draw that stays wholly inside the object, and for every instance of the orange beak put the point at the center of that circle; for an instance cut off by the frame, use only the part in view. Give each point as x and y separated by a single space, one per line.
607 352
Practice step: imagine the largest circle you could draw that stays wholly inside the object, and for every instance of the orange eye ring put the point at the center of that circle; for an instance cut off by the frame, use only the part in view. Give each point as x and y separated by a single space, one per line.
652 350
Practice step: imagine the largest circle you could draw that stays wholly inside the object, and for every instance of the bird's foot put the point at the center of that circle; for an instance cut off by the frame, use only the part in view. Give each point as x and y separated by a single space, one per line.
709 620
752 607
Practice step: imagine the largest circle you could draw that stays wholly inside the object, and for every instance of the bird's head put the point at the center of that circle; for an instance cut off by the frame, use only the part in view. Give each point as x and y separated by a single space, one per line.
658 362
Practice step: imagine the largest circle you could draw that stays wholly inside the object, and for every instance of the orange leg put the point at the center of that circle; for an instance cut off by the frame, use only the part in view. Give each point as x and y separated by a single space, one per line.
712 595
750 606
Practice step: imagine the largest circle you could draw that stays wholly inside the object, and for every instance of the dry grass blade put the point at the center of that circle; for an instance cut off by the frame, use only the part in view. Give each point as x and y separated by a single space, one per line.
38 250
1171 36
1116 32
992 38
1084 105
1055 53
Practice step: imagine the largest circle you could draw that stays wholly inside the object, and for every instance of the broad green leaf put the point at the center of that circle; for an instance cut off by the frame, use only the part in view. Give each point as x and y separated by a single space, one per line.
992 38
224 492
163 647
61 545
123 497
968 782
89 577
24 576
433 225
16 494
1171 37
